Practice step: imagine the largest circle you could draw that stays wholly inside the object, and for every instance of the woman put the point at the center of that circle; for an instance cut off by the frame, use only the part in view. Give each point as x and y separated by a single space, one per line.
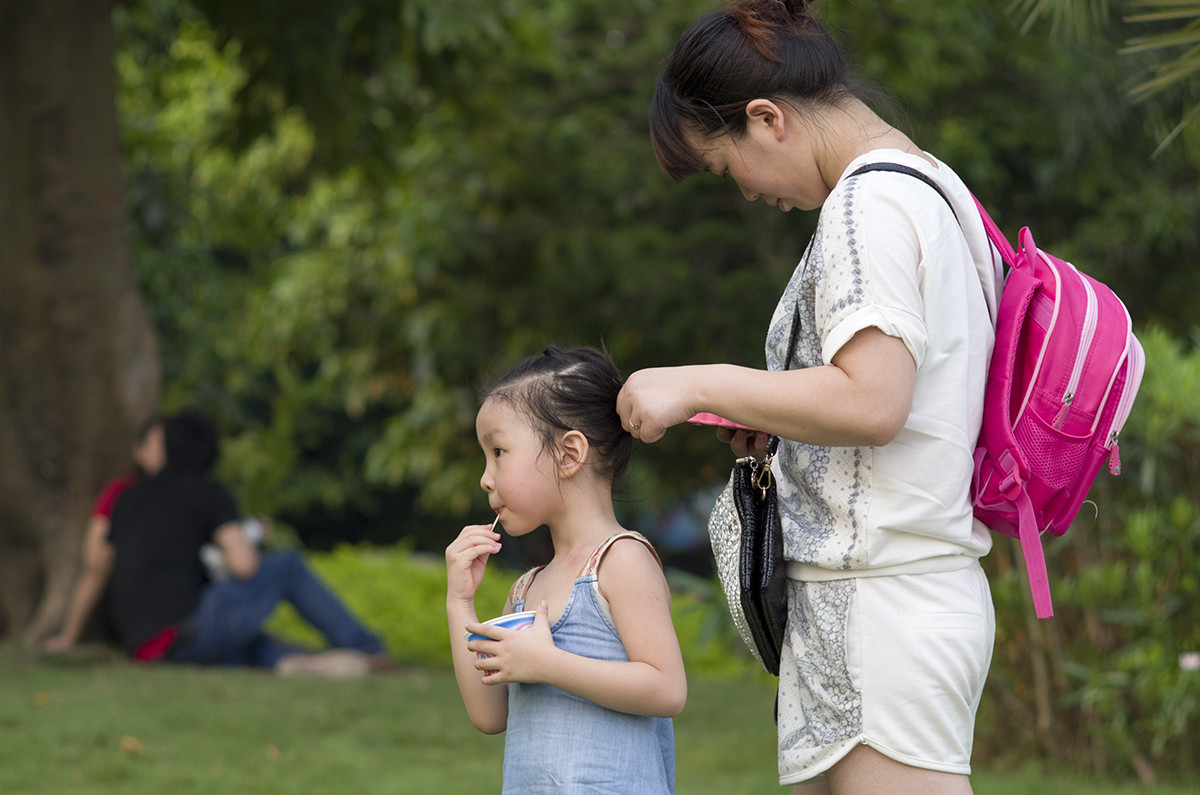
890 621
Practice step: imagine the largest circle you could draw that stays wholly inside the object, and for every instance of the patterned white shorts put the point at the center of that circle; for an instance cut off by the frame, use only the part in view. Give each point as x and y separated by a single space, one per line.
897 663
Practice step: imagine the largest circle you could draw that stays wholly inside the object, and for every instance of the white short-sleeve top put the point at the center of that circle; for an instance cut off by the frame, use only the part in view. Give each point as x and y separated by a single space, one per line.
889 252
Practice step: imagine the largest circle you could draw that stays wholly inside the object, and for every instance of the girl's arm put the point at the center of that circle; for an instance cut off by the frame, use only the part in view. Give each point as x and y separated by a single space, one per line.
466 560
653 682
862 398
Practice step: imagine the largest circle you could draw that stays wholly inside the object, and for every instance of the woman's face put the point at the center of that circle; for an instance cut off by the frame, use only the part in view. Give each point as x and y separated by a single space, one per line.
150 454
774 160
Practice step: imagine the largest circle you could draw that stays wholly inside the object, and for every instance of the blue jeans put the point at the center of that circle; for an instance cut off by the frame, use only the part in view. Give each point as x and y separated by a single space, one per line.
226 628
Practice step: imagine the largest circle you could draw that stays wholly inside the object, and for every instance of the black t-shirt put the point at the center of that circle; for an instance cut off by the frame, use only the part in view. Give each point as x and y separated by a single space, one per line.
157 529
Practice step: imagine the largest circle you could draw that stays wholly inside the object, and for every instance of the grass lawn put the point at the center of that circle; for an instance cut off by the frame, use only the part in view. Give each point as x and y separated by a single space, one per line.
104 725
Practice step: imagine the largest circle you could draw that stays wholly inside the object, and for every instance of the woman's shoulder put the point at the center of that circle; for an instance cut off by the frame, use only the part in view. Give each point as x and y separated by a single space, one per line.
888 174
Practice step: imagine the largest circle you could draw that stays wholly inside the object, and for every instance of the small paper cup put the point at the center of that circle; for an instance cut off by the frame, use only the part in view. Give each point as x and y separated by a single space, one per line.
517 621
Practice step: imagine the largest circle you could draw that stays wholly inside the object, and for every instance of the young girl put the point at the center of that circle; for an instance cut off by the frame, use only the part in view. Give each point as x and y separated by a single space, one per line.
587 694
890 621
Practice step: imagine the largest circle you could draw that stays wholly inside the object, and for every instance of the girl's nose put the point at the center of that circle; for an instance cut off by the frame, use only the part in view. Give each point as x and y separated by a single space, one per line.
485 481
750 195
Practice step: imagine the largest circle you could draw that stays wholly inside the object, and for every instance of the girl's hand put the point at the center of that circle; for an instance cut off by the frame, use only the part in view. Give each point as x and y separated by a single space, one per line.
466 560
518 655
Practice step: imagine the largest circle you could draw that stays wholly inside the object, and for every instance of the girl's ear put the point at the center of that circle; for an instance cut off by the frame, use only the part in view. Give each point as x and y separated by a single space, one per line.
572 453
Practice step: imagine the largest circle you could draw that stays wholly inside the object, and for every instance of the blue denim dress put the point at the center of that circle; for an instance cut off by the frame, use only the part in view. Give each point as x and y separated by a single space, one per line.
560 744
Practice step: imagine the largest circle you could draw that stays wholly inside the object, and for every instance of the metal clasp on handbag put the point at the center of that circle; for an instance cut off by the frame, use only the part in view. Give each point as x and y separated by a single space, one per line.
760 472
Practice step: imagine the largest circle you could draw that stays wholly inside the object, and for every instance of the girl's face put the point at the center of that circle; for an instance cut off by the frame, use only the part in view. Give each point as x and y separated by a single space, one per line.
521 480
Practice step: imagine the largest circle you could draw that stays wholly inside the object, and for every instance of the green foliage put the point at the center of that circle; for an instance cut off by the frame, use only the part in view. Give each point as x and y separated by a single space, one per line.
347 215
338 314
1105 682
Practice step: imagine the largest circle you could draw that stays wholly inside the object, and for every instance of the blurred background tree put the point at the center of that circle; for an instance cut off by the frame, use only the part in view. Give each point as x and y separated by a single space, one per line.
78 364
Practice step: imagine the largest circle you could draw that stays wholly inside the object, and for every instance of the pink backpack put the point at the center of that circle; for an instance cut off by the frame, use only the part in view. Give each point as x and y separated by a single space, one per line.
1063 376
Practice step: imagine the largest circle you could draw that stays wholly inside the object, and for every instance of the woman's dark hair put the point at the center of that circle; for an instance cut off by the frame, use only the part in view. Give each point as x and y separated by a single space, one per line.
751 49
191 441
147 425
570 390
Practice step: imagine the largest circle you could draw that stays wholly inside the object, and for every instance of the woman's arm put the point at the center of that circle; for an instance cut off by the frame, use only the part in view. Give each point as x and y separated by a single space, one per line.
242 556
466 561
862 398
97 566
653 682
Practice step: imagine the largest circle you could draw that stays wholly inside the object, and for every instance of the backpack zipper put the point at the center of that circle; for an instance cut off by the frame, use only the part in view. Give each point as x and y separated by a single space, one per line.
1135 366
1044 313
1085 344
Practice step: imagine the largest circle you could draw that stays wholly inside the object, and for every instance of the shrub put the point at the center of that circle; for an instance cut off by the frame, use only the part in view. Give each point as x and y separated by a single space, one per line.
402 595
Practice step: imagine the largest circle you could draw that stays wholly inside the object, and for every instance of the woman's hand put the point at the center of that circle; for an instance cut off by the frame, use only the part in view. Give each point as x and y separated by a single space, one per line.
744 443
655 399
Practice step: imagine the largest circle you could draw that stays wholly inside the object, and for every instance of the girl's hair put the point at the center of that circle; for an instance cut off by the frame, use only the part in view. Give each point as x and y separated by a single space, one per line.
570 390
752 49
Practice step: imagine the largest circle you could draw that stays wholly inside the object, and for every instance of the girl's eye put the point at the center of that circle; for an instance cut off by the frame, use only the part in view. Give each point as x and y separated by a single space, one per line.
496 451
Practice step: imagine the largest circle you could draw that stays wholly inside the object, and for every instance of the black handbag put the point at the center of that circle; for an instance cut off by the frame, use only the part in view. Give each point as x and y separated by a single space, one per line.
747 542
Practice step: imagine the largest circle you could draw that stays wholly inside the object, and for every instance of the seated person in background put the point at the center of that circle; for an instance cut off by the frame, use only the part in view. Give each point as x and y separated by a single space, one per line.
149 455
166 607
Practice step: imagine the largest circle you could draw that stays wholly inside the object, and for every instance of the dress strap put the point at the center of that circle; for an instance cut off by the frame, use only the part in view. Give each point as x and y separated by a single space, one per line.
517 592
594 561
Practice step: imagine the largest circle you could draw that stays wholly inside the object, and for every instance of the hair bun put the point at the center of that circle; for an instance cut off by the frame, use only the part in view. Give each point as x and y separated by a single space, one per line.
793 10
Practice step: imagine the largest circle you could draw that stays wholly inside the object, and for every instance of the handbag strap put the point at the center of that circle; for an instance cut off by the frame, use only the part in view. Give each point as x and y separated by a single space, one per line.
793 336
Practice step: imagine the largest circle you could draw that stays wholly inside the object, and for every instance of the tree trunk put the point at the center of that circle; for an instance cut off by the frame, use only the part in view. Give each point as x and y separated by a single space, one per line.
78 362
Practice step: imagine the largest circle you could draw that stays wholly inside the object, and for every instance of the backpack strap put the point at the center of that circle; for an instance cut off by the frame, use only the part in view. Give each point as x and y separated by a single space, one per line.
1028 533
996 236
1007 253
912 172
1035 557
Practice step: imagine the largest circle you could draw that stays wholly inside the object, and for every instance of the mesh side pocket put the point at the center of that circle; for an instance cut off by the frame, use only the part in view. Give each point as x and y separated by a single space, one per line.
1054 457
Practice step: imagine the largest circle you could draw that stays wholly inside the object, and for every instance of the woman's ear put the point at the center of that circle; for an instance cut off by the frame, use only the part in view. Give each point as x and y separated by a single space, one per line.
572 453
763 114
